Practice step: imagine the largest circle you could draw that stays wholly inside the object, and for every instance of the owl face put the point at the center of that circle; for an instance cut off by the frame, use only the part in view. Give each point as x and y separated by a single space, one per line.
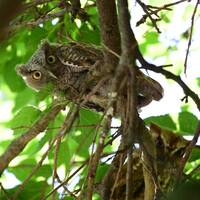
40 69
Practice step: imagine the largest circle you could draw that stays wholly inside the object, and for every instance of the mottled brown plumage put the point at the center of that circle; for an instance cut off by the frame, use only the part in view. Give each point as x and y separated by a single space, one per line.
169 148
69 67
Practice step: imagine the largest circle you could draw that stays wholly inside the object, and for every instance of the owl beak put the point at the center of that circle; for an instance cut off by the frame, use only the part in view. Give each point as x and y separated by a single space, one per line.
52 75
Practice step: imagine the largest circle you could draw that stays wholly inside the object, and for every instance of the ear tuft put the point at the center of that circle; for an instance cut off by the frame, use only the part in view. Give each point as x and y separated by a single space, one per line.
44 44
21 70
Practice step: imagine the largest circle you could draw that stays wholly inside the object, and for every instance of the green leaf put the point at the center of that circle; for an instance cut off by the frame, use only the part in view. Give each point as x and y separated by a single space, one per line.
26 96
165 18
31 148
87 130
66 151
164 121
63 153
34 190
44 171
198 81
23 169
38 34
195 155
70 26
151 37
45 92
185 190
89 36
11 78
187 123
101 171
24 119
67 198
52 129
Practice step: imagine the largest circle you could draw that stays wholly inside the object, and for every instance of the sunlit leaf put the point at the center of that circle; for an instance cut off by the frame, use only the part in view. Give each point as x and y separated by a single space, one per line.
164 121
87 128
187 123
24 119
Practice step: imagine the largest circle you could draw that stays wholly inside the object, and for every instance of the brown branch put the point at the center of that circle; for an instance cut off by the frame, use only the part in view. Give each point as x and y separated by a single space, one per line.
96 157
150 11
165 6
144 7
188 92
76 6
109 29
55 159
65 181
40 126
128 59
109 179
19 143
34 170
8 10
188 151
66 189
160 69
33 23
190 36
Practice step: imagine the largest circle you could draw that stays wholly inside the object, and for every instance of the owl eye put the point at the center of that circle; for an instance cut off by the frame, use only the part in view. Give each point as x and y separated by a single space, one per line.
36 75
51 59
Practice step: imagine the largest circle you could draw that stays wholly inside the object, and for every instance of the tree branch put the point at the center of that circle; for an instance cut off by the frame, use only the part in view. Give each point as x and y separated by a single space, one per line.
109 29
190 36
167 74
127 61
96 157
19 143
8 9
188 151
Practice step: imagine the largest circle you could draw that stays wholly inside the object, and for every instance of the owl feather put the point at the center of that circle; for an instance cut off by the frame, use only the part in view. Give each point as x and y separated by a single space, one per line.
66 67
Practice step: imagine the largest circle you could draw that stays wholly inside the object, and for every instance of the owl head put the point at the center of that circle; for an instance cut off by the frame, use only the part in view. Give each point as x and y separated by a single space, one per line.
39 70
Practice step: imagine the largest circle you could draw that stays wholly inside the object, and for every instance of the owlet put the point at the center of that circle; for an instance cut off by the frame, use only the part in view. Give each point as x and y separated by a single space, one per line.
68 66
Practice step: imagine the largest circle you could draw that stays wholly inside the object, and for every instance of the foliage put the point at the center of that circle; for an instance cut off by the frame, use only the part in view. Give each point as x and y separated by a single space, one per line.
21 106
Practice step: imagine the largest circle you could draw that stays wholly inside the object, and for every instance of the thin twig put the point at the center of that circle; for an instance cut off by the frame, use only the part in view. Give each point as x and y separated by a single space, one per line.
144 7
155 12
58 142
33 23
195 170
21 187
65 181
188 92
19 143
96 157
190 36
188 151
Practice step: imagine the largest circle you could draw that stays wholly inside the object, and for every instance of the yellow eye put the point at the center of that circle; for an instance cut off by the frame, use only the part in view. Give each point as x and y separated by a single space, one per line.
51 59
36 75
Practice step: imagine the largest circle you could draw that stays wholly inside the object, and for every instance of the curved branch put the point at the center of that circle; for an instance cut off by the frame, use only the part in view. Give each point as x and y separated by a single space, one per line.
17 146
188 92
8 9
109 29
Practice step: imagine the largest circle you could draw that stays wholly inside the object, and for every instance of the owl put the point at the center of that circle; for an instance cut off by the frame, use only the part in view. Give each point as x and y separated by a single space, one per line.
68 66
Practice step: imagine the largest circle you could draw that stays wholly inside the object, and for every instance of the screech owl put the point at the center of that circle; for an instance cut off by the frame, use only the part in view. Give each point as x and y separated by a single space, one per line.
66 67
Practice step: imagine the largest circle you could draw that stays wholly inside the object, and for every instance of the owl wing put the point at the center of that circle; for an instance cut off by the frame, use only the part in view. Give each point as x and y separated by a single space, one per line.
78 57
148 89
